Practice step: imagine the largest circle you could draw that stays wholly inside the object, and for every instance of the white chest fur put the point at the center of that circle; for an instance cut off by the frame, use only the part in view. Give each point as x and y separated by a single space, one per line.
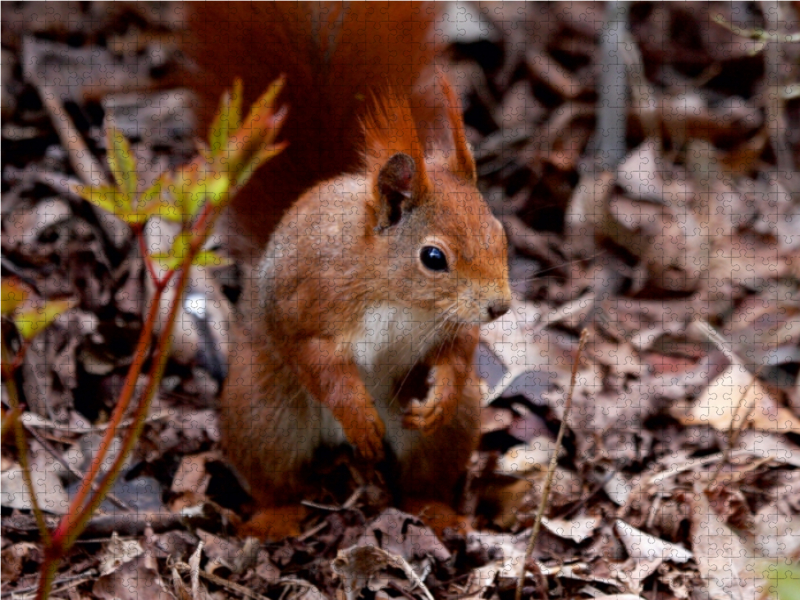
393 338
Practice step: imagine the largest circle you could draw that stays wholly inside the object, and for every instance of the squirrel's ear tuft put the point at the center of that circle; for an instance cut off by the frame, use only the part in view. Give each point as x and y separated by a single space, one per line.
461 163
396 186
390 129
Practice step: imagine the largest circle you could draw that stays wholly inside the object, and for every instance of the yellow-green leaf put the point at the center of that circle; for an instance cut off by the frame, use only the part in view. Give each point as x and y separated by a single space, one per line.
181 246
168 211
109 198
228 118
121 161
209 258
133 217
235 118
34 320
784 579
150 194
13 294
165 260
177 253
266 103
259 159
189 187
217 189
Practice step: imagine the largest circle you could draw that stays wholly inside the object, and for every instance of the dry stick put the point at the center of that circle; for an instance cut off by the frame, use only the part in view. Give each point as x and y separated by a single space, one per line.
553 462
758 35
612 96
775 105
735 430
84 163
66 583
349 503
225 583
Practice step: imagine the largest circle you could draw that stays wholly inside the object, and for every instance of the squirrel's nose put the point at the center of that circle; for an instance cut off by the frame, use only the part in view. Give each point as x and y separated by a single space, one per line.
498 308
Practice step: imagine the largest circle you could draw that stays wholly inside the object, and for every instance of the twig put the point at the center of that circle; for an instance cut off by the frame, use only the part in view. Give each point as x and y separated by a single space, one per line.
71 581
735 429
83 161
612 96
229 585
775 104
553 462
349 503
758 35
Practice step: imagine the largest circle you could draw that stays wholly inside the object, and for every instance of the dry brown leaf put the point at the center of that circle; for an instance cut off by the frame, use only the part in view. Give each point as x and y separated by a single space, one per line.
578 529
192 475
118 552
726 565
49 490
722 407
133 580
533 456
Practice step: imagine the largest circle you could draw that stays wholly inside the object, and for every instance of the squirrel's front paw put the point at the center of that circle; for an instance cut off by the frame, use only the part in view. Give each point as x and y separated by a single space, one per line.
367 435
423 415
438 406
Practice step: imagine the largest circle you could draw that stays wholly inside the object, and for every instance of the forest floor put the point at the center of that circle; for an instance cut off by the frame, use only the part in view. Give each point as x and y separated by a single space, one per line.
680 257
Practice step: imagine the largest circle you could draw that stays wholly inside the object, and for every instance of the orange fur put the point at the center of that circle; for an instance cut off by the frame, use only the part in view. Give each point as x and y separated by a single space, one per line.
344 321
334 56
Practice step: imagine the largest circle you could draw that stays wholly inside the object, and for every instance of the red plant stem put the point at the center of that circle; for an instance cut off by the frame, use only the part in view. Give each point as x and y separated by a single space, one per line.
139 233
79 514
22 443
68 521
159 362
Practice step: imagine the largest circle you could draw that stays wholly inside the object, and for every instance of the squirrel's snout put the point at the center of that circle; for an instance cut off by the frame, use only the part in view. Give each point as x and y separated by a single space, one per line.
498 308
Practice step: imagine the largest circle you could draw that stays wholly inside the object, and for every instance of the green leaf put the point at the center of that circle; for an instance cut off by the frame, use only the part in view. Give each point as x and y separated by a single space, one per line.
168 211
151 195
785 580
265 154
13 294
190 187
121 161
217 189
209 258
34 320
109 198
165 260
228 118
174 258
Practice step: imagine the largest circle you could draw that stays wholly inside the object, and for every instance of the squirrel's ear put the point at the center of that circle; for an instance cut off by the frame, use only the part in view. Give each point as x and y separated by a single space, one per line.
461 163
396 185
395 158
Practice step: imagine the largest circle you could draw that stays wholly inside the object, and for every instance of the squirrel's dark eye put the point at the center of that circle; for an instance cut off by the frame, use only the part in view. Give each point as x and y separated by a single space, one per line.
433 258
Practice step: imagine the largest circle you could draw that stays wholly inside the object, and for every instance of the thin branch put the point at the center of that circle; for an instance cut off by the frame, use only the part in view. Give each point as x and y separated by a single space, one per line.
553 462
613 93
182 567
735 429
758 35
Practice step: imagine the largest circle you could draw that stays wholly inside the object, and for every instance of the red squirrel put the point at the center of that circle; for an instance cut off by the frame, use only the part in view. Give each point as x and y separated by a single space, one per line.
386 261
